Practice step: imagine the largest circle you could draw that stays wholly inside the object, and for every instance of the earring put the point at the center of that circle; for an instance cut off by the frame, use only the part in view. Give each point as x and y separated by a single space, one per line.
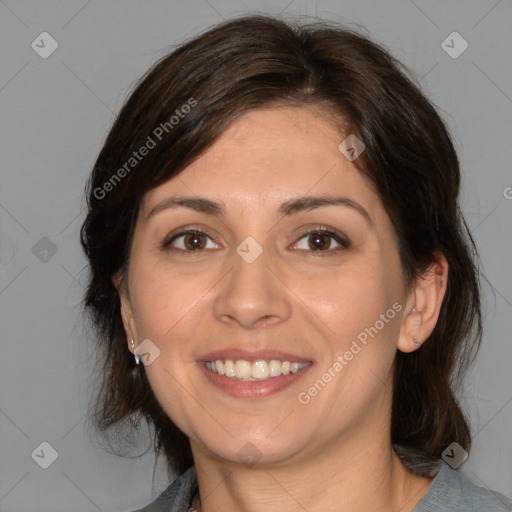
417 342
135 355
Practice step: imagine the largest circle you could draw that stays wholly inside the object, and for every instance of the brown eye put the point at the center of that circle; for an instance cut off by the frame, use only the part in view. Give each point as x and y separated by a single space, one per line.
319 241
189 241
322 241
194 241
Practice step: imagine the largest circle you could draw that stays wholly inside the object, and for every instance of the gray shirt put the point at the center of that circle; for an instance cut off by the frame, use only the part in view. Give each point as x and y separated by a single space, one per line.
449 491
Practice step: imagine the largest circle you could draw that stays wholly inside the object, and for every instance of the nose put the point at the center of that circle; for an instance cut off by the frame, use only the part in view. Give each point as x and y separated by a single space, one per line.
252 295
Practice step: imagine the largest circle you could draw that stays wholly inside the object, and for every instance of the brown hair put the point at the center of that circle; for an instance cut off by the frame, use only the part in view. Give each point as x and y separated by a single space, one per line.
253 62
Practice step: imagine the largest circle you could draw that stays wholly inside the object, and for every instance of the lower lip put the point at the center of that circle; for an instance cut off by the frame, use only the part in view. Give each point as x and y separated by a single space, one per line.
252 388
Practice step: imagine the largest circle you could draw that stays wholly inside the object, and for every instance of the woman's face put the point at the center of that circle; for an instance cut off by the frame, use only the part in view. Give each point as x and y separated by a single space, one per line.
270 249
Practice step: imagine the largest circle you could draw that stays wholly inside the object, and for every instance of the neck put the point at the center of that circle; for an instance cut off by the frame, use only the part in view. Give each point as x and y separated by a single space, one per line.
355 477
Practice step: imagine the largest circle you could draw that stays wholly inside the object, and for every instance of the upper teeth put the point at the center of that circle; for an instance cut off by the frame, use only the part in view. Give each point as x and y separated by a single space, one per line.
258 370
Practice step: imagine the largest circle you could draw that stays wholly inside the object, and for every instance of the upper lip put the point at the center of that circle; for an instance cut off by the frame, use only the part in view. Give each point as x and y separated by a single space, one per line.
251 355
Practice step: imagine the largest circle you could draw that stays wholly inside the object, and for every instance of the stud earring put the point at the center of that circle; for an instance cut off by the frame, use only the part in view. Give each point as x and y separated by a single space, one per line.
417 342
137 360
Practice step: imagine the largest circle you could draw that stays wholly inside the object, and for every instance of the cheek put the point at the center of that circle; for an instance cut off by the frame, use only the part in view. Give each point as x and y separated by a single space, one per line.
348 299
161 295
168 309
357 308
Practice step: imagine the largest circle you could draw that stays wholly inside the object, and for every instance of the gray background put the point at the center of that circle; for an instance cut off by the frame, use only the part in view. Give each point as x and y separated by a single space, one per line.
55 115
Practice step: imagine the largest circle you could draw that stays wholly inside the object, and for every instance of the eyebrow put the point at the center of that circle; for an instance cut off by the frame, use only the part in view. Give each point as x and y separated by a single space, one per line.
290 207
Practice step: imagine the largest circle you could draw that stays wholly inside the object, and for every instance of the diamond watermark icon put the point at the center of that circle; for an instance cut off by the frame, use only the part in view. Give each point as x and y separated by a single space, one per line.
249 249
249 454
454 45
44 45
352 147
454 455
45 455
44 250
147 352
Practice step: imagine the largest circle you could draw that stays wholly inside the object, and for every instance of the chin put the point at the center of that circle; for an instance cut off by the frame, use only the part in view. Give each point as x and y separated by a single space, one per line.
261 444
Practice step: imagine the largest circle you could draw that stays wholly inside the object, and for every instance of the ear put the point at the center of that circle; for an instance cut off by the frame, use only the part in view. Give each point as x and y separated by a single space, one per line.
423 306
126 309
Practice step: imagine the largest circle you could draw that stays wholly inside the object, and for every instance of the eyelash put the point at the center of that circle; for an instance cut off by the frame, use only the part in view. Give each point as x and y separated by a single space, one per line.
335 235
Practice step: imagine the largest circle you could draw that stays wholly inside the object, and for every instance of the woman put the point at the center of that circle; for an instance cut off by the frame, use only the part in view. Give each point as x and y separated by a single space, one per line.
281 278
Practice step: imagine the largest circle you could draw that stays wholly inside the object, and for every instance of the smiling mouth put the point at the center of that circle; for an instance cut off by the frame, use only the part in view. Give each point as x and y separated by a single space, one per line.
260 370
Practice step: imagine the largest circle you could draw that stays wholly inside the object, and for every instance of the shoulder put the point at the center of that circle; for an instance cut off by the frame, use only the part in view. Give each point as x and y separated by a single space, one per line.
450 491
176 497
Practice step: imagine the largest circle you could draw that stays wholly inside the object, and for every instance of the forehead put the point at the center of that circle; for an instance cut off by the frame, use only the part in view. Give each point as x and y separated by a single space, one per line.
269 155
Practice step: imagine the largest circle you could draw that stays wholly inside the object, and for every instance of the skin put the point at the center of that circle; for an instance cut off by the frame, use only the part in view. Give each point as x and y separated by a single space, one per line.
335 452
